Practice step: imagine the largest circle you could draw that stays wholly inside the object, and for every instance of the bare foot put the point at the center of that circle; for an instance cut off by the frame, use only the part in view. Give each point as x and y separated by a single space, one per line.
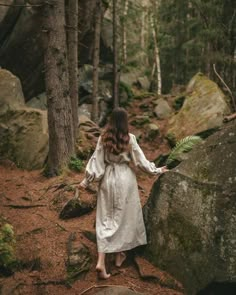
102 274
120 258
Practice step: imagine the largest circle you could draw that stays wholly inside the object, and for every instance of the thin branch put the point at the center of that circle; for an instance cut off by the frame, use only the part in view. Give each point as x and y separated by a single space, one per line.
205 19
55 224
83 45
230 92
229 118
52 282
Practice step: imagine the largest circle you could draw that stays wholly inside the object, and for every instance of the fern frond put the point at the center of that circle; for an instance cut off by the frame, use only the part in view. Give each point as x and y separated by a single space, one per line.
183 146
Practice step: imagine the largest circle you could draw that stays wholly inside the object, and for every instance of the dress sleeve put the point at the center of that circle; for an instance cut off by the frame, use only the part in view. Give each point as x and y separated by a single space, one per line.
95 168
140 160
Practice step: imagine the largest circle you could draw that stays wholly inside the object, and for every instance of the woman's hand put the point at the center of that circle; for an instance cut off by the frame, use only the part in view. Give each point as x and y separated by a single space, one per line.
83 184
164 169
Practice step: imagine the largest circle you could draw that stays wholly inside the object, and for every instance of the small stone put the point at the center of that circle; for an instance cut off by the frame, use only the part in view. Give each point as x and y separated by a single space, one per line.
79 259
139 121
152 131
143 83
75 208
162 109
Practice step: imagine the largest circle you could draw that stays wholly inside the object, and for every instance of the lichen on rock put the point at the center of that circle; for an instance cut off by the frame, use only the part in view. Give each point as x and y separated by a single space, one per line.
191 215
203 109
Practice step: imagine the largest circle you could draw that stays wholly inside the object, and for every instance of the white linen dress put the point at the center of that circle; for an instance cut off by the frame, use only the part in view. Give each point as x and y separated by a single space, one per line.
119 218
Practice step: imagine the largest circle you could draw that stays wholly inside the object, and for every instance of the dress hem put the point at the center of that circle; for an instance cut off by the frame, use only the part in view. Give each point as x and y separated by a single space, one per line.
122 249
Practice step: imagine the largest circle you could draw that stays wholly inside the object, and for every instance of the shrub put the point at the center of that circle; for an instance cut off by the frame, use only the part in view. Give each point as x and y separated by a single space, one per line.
76 164
7 248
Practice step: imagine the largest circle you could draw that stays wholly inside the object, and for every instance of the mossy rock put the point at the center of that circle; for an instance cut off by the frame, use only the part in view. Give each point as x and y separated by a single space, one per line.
203 109
75 208
79 260
140 121
162 109
24 137
152 132
171 139
191 213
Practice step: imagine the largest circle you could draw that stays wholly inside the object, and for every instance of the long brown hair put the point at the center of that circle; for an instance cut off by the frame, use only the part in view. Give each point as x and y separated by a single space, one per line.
115 138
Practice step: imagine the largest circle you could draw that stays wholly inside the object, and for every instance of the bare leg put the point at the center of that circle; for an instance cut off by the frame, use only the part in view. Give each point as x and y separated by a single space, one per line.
101 268
120 258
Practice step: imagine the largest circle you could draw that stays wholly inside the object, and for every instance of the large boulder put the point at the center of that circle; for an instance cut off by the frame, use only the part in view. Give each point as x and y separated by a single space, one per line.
23 25
162 109
191 215
87 136
131 78
38 102
204 108
24 137
23 130
11 95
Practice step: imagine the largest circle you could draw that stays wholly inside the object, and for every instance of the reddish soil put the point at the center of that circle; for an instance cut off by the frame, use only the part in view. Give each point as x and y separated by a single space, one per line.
42 237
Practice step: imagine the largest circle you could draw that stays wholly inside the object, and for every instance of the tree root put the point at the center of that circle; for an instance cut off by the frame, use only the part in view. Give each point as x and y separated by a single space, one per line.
52 282
23 206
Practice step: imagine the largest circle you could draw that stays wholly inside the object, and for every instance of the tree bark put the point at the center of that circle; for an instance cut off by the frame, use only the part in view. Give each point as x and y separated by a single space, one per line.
72 45
60 123
124 47
156 55
96 53
115 57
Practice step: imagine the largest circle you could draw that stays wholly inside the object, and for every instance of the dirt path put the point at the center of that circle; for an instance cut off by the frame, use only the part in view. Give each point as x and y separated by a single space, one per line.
42 237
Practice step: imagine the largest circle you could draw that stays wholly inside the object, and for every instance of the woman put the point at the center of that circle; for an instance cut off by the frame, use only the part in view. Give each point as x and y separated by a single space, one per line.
119 219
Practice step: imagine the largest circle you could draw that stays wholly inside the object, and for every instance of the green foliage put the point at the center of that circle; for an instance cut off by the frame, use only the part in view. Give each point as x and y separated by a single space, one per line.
193 36
124 87
105 3
178 103
76 164
182 146
7 250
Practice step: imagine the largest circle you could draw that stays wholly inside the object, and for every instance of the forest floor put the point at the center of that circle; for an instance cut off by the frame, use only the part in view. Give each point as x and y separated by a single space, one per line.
31 203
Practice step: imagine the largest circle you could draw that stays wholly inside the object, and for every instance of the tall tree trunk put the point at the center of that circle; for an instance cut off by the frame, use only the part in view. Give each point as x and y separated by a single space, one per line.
72 43
156 55
142 40
144 30
124 31
96 52
208 59
60 123
115 57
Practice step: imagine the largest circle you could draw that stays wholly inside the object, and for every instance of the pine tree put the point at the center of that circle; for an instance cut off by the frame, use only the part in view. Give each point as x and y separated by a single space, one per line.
72 47
96 51
194 35
60 122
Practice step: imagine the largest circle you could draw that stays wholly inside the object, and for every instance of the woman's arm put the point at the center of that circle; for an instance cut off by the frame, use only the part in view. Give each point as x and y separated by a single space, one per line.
140 160
95 168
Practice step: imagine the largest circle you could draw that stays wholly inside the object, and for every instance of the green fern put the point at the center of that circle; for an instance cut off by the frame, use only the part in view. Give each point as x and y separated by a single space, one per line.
182 146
